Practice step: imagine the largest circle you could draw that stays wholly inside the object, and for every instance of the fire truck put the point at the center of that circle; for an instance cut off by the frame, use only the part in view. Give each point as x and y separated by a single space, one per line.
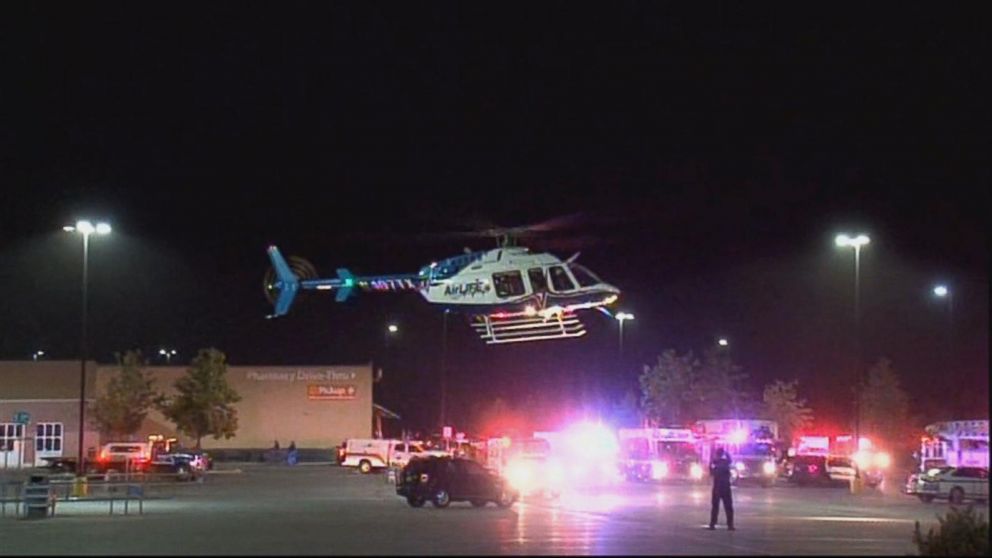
750 442
659 454
959 443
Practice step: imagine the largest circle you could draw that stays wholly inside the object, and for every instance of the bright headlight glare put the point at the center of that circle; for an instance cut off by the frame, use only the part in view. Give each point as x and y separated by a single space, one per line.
739 466
768 468
696 471
659 469
883 460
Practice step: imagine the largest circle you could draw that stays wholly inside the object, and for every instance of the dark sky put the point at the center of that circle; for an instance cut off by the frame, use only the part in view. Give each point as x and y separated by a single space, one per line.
712 154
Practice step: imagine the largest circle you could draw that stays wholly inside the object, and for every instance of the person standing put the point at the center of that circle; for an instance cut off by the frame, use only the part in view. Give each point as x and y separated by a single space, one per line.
720 471
291 455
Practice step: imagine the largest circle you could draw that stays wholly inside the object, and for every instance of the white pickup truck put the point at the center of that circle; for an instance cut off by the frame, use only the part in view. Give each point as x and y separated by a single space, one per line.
368 454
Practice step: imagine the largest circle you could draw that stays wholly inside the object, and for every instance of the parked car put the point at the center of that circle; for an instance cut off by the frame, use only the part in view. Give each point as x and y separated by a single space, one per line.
443 480
955 484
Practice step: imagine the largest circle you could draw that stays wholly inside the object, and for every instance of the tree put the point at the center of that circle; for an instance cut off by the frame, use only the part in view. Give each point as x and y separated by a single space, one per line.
125 403
782 404
720 389
884 405
667 388
203 404
626 411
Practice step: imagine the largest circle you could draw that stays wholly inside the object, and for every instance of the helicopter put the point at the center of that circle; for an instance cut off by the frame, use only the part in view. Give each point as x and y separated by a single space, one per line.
511 294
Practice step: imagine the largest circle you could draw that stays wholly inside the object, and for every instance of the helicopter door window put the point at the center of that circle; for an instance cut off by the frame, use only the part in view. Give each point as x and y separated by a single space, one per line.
560 279
509 283
538 282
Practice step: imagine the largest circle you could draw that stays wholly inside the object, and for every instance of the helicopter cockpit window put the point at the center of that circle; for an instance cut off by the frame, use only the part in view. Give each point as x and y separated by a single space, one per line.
509 283
585 277
538 282
560 279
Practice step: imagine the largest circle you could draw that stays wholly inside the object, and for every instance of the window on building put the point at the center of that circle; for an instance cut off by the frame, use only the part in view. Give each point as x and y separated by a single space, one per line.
508 283
9 433
538 281
48 436
560 279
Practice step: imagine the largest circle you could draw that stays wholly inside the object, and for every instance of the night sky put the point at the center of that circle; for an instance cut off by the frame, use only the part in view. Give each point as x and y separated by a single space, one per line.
712 155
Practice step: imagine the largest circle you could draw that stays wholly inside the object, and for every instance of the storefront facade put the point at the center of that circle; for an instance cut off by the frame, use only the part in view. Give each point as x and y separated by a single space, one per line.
313 406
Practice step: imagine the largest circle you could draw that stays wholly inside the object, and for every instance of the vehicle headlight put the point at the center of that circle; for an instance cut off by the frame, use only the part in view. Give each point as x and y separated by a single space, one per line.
696 471
883 460
659 469
768 468
739 466
519 475
861 460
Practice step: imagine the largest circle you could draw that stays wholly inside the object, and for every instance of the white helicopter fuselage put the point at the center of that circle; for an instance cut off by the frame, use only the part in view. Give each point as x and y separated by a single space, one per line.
513 279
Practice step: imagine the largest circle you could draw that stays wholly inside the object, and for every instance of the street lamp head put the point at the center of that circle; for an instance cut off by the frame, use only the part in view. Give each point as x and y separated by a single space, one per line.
844 240
723 342
393 328
941 290
623 316
102 228
84 227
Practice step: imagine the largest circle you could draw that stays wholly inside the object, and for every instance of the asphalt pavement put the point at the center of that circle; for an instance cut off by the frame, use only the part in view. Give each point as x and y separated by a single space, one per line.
323 509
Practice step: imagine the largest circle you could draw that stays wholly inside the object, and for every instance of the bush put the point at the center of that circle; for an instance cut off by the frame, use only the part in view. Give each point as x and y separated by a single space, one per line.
961 533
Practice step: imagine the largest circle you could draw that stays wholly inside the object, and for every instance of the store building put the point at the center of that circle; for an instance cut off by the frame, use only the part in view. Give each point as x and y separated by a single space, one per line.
317 407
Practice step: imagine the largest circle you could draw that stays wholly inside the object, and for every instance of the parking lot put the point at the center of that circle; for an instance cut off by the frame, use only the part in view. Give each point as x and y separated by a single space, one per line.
321 509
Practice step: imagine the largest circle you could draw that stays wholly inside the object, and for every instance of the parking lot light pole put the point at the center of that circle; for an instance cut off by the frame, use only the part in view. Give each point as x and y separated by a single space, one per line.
856 242
168 354
85 228
622 317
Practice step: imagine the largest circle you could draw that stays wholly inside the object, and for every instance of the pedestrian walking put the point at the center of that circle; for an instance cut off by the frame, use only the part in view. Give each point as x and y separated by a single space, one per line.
720 471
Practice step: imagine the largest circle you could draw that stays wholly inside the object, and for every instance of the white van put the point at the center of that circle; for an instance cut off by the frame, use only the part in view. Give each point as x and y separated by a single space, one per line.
368 454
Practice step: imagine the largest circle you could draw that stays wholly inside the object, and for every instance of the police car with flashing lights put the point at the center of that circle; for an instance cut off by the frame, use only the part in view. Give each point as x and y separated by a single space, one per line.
955 484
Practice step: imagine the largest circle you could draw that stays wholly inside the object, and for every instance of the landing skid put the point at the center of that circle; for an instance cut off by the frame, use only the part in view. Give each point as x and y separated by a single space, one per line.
518 329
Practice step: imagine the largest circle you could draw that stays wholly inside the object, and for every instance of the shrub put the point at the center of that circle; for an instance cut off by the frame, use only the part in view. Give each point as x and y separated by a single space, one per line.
960 533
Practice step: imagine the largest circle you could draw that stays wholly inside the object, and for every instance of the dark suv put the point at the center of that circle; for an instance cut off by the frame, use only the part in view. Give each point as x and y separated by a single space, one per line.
443 480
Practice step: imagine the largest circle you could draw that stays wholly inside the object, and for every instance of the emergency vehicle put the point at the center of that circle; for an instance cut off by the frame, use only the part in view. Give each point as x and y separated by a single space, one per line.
157 455
659 454
526 463
751 444
959 443
372 453
867 459
585 454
